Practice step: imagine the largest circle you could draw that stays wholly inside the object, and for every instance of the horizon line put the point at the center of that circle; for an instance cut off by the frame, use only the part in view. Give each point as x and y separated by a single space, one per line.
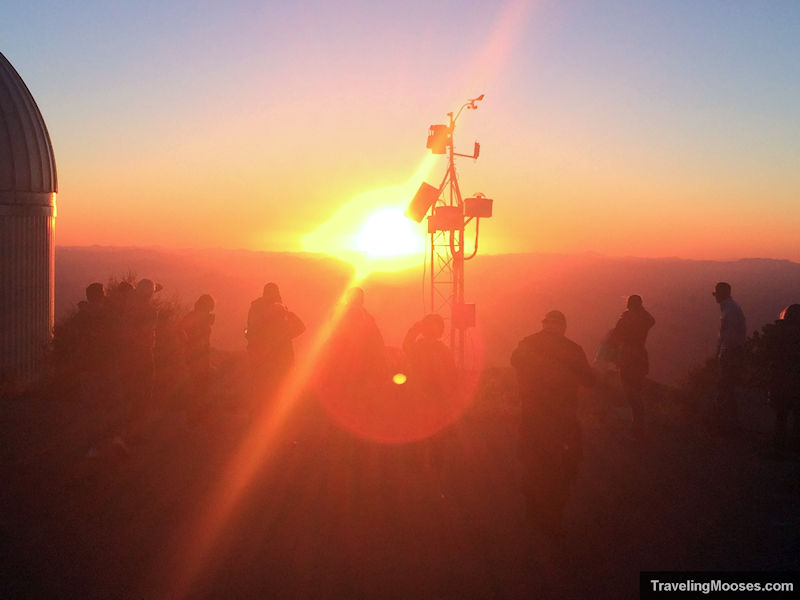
584 253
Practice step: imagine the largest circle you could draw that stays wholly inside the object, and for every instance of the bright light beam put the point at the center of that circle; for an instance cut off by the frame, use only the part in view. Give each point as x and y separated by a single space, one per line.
198 540
338 238
371 232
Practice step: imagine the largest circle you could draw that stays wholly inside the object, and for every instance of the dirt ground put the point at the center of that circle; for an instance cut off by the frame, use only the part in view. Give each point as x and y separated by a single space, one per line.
328 515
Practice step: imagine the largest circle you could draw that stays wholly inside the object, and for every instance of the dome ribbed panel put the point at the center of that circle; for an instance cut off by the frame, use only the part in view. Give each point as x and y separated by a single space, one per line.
27 163
26 290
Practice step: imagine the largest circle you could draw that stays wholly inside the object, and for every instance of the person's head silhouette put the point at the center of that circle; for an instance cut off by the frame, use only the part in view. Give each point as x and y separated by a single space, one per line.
271 292
432 326
634 302
145 288
205 303
95 292
555 322
722 291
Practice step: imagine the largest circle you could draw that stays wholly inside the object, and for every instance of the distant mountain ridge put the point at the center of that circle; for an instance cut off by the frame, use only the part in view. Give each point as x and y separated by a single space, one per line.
511 292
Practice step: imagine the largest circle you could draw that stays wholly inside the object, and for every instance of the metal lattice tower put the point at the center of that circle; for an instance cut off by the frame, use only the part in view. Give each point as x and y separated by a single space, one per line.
450 215
447 253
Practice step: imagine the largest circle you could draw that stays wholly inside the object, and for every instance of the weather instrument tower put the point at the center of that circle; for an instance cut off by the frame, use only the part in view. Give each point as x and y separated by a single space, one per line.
450 214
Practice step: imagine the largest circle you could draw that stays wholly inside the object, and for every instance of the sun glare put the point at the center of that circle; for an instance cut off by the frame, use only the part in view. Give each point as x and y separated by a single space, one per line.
389 232
371 231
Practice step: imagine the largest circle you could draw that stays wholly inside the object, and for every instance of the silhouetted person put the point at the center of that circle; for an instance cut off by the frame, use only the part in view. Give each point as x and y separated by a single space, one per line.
432 379
353 366
271 327
95 349
196 328
136 361
730 358
781 344
629 336
93 323
356 351
550 368
431 368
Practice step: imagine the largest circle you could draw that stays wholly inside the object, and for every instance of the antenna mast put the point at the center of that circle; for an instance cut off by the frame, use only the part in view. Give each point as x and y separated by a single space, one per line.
450 214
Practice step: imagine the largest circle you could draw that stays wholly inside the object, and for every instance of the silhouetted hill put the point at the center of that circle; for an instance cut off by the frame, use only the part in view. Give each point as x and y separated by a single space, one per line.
591 290
512 292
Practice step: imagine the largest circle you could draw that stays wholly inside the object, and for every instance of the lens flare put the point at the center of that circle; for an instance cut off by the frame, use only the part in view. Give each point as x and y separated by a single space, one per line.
371 231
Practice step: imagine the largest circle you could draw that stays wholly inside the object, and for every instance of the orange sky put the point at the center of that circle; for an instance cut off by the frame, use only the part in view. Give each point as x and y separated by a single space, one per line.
646 131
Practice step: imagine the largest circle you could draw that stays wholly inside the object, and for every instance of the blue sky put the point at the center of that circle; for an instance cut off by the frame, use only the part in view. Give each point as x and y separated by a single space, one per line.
638 128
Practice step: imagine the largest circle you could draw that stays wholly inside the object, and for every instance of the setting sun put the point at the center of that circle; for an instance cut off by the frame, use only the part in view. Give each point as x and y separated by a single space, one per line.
371 231
389 232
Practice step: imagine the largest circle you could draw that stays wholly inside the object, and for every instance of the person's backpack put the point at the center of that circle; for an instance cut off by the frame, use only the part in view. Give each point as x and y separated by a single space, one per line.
609 349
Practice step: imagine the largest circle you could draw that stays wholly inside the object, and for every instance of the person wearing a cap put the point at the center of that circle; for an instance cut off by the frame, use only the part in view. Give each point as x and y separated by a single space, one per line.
730 356
629 336
550 369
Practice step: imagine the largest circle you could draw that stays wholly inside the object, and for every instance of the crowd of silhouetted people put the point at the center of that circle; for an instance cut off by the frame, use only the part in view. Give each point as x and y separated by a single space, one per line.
115 338
551 368
119 333
123 337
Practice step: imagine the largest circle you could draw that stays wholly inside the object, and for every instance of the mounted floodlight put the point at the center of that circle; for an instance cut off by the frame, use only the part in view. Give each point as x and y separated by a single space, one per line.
438 138
446 218
478 206
422 201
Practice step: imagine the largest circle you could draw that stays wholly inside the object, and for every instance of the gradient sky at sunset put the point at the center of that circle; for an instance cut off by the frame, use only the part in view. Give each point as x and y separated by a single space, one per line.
644 128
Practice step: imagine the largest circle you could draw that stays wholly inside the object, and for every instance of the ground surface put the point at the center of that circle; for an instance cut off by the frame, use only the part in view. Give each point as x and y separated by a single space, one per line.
331 516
